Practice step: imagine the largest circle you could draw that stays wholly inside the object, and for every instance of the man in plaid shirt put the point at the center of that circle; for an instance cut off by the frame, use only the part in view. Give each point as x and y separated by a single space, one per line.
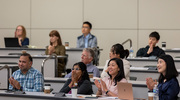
26 78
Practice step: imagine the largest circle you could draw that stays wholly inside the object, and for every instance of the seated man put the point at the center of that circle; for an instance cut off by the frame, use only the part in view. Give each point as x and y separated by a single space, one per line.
87 58
151 49
26 78
87 39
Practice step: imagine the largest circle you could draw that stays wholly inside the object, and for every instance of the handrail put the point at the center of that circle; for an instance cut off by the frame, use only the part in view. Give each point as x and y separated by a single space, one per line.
127 41
8 76
50 56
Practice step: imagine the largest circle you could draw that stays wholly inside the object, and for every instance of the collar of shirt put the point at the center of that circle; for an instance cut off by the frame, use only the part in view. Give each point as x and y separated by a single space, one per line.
86 40
89 64
29 71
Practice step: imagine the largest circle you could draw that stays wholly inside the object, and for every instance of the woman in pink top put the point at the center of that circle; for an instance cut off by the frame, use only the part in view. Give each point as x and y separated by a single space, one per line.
108 85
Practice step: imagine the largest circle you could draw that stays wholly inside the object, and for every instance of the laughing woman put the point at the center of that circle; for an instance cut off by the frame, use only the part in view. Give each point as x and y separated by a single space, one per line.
108 85
168 84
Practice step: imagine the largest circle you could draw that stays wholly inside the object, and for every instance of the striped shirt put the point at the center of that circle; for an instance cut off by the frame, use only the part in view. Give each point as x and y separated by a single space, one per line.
32 81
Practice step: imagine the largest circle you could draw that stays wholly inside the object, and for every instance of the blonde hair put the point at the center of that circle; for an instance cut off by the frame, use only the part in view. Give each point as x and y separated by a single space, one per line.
23 31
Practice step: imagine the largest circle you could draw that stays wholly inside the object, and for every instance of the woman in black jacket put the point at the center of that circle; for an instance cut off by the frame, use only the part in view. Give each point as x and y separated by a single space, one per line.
80 78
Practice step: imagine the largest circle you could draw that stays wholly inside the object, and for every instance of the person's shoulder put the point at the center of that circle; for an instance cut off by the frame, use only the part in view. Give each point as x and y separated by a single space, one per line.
124 80
125 61
33 70
61 46
26 38
79 37
92 36
86 81
17 71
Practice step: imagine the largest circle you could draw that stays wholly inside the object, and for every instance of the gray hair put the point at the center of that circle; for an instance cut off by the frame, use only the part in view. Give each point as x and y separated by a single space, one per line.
90 51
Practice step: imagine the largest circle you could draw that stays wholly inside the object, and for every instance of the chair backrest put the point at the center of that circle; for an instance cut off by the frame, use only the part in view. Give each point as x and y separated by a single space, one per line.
65 61
97 56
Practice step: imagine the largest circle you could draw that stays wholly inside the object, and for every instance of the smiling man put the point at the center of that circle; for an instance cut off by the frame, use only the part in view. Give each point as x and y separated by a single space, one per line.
151 49
26 78
87 40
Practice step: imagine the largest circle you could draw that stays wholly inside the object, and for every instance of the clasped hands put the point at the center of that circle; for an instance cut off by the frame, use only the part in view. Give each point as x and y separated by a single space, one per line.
150 83
14 83
100 85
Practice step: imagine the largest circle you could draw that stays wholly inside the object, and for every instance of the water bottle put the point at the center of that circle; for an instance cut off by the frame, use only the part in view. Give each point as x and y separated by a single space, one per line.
131 53
155 91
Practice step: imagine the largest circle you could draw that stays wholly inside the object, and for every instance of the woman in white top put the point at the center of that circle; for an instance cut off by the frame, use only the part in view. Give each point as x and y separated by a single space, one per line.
117 51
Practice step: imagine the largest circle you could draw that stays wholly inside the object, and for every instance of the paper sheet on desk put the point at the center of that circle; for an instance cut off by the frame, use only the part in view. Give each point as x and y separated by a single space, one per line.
107 98
138 68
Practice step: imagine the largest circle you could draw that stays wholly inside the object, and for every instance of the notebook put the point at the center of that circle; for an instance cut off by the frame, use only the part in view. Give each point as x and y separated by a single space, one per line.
11 42
125 91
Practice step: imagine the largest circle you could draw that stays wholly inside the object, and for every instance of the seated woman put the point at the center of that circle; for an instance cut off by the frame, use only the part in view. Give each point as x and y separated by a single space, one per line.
117 51
168 84
57 48
20 33
108 85
80 78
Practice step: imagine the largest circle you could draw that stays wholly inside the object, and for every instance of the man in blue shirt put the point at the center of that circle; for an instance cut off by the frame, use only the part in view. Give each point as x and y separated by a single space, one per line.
26 78
87 39
87 58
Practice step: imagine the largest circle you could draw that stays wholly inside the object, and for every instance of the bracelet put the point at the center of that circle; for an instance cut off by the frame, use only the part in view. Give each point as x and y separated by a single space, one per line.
107 91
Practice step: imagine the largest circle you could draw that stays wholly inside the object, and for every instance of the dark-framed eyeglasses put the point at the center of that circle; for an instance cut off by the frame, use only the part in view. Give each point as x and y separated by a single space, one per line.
76 69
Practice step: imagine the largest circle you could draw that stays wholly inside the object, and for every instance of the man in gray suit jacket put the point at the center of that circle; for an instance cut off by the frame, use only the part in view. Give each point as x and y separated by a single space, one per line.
87 39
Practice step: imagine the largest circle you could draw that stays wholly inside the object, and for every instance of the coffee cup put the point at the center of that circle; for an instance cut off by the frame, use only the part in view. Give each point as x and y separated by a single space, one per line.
150 95
47 88
66 45
74 92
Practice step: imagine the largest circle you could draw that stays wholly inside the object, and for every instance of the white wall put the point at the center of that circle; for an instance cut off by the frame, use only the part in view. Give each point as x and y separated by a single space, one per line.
113 21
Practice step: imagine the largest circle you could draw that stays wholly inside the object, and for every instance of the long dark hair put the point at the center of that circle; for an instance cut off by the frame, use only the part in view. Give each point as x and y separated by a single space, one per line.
56 33
119 49
171 71
85 75
120 74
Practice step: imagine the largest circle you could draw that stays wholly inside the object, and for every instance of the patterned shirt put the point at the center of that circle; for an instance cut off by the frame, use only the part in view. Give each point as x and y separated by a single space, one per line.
32 81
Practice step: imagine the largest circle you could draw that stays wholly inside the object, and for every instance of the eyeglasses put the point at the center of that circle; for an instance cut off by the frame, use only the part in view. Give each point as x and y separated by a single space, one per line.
18 29
85 27
76 69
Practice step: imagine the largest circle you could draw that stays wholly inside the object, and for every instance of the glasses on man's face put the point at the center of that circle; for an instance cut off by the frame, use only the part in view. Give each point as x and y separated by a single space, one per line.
18 30
85 27
76 69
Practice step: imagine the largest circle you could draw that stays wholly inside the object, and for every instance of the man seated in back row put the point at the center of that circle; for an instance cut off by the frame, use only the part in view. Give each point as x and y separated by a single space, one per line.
87 58
151 49
86 40
26 78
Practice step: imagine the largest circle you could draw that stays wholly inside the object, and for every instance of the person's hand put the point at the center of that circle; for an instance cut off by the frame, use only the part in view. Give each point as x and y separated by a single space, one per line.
150 49
11 81
104 87
150 83
19 40
98 85
51 49
74 77
14 83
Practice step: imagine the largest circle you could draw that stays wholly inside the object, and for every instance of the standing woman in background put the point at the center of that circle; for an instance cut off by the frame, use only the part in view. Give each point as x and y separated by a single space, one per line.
20 33
57 48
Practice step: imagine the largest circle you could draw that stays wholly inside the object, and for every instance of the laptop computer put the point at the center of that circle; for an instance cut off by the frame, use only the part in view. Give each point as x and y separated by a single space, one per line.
125 91
11 42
